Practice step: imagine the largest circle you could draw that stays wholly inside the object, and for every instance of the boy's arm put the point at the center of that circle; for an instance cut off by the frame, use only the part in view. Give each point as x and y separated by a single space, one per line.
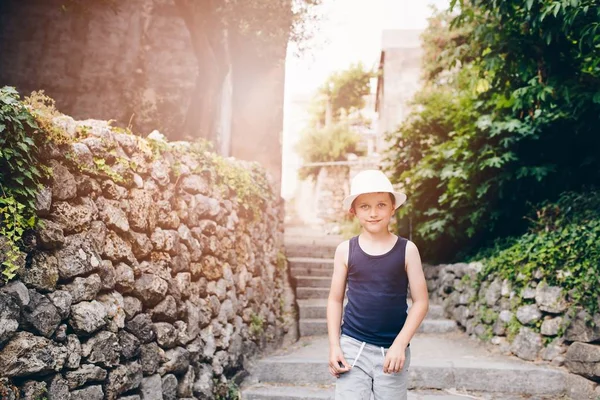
335 303
418 293
336 293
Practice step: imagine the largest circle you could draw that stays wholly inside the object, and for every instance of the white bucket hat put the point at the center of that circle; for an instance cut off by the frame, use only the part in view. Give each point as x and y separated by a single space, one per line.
371 181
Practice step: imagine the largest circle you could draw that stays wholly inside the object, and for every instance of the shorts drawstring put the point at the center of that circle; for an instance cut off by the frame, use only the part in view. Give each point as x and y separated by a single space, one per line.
382 353
362 346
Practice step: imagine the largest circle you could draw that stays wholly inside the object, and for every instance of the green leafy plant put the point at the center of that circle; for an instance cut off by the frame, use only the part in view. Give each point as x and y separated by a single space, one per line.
335 119
487 334
246 181
227 391
256 325
103 167
345 92
250 185
20 177
281 261
512 329
561 245
43 109
494 128
330 143
486 315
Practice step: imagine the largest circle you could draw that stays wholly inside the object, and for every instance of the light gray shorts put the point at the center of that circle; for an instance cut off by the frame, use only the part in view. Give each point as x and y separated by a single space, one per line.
367 376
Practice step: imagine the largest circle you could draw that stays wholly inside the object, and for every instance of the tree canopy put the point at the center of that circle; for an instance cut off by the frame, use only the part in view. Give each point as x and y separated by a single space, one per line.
256 30
343 92
507 117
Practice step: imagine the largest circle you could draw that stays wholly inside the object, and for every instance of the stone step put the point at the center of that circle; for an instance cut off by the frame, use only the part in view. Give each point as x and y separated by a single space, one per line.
297 271
436 311
437 326
284 392
272 392
317 308
311 262
317 250
318 326
314 236
312 308
441 362
313 281
312 293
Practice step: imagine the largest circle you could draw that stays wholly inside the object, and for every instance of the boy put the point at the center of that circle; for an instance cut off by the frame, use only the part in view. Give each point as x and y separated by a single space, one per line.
371 354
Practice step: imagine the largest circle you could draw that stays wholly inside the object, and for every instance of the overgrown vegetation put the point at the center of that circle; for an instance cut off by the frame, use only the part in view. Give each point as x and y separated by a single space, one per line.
321 144
21 177
256 325
506 119
248 183
281 265
561 247
345 92
335 119
227 391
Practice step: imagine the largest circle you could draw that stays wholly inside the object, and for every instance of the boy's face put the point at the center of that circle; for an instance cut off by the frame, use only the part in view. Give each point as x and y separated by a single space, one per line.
374 211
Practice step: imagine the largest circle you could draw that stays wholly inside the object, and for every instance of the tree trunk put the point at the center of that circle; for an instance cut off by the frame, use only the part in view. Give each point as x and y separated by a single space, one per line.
258 95
209 41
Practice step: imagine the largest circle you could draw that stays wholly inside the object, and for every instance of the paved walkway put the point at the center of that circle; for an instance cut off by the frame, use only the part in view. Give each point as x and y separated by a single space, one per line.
452 363
446 364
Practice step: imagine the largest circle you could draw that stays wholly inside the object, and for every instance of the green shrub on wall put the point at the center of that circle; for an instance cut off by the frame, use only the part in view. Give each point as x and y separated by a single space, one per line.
561 248
20 176
246 181
493 128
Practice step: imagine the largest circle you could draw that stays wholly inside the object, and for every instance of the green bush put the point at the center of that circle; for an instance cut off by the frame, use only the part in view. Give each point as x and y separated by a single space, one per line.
331 143
561 246
226 390
495 128
21 174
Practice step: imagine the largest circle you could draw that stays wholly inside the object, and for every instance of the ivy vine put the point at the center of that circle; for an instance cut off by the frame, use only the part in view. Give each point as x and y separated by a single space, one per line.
21 174
561 246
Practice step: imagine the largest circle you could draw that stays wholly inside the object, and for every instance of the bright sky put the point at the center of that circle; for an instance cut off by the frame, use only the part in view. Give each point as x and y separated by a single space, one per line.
349 32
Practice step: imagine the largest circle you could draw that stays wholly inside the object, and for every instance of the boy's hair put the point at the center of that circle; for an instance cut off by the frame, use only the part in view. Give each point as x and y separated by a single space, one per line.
392 199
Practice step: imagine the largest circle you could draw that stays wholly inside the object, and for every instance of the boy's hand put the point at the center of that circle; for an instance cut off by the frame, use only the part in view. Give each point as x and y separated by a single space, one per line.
336 356
394 359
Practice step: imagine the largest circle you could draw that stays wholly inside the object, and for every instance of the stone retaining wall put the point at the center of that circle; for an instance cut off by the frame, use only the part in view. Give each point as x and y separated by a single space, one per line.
331 187
152 276
535 323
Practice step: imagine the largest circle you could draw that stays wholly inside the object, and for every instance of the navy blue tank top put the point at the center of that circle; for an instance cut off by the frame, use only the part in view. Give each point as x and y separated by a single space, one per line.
377 289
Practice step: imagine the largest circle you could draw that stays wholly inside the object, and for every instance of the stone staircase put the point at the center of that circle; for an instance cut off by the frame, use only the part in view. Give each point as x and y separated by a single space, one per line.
446 364
313 278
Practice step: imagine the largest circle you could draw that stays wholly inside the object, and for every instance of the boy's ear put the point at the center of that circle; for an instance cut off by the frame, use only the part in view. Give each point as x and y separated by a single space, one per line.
351 211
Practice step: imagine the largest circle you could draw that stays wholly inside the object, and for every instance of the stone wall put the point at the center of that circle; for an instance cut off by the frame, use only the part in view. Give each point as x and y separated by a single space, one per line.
136 64
537 323
151 277
319 201
331 187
